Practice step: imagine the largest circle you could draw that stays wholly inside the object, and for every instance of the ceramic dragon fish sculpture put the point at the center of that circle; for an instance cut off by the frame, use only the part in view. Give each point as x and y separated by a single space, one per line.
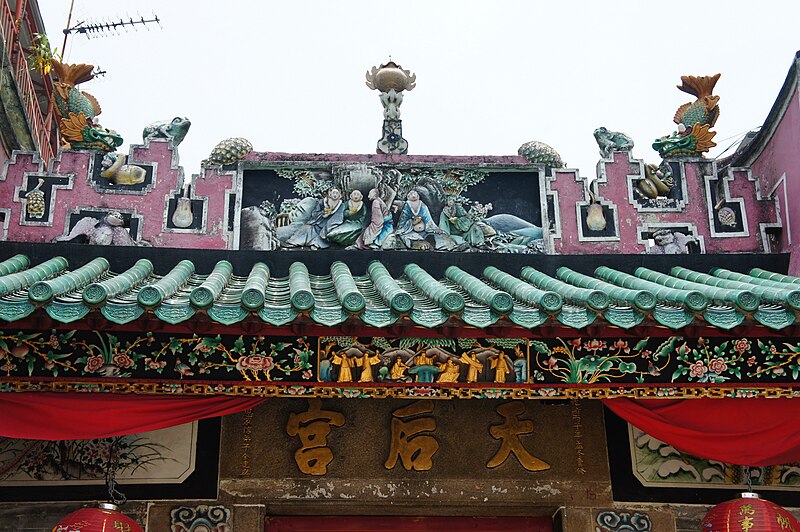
77 111
695 120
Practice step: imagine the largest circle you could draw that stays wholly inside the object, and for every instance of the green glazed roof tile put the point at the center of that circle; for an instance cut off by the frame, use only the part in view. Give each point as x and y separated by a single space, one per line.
527 299
692 299
641 299
14 264
763 274
595 299
743 299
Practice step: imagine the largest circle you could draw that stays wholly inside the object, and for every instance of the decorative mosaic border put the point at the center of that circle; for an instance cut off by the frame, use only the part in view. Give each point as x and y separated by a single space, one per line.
288 390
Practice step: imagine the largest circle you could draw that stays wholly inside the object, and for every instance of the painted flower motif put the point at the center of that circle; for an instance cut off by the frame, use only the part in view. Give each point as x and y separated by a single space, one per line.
255 363
307 374
741 345
698 369
622 345
547 392
53 341
351 393
778 371
575 342
751 361
773 349
155 364
296 390
219 388
701 341
594 345
626 367
93 363
717 365
422 391
49 364
645 353
121 360
493 394
551 362
665 392
8 366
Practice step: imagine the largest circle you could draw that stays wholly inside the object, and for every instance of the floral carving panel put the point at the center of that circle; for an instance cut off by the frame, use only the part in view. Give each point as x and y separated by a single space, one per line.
357 366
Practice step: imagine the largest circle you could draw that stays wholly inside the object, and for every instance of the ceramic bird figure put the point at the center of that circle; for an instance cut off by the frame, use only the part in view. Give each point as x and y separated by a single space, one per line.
702 111
109 231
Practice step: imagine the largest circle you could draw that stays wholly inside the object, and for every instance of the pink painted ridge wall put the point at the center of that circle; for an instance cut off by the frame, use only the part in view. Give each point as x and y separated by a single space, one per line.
696 210
781 157
151 206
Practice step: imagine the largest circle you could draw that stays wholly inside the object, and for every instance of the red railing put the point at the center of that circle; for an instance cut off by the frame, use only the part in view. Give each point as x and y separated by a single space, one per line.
39 127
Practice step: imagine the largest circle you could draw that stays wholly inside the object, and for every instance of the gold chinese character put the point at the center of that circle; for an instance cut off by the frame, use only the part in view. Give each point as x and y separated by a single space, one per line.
747 523
509 432
784 523
313 427
124 527
414 451
746 509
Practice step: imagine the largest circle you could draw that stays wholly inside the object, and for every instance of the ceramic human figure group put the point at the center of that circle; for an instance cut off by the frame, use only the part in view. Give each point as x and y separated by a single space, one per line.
354 224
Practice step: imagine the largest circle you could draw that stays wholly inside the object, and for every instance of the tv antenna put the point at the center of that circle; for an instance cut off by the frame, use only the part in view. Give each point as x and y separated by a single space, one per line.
92 28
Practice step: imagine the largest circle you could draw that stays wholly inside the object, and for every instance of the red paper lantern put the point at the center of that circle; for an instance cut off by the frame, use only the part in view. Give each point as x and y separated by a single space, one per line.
749 514
105 518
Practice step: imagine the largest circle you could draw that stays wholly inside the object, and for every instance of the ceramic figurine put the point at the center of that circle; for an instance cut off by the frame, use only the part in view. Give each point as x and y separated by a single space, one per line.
183 217
327 215
694 119
109 231
34 201
462 228
119 173
657 181
353 216
595 219
380 224
174 130
609 141
416 228
536 152
669 242
726 216
228 151
77 110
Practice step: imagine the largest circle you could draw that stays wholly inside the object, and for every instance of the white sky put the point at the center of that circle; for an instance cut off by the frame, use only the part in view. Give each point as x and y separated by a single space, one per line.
289 75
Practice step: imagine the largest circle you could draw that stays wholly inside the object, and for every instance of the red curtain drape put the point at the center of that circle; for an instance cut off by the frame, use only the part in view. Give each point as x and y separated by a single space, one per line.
61 416
755 432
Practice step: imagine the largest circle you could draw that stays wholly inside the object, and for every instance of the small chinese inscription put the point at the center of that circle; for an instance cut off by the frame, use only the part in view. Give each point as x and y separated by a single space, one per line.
785 523
414 449
247 433
509 432
313 427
